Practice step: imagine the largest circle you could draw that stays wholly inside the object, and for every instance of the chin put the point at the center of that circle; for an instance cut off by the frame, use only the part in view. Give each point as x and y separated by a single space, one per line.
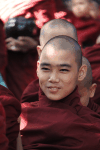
54 98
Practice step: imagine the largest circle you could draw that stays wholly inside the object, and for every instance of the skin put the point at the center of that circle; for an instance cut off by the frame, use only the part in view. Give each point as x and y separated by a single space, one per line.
23 43
81 8
86 94
50 32
57 70
94 10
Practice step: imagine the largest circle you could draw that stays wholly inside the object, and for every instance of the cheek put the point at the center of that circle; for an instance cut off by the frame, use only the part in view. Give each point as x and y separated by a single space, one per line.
70 78
43 77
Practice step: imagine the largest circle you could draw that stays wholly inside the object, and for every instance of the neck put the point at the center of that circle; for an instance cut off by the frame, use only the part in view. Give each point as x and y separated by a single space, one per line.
70 100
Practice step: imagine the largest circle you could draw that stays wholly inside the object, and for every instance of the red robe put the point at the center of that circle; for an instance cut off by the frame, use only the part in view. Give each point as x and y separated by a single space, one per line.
3 138
3 50
12 109
93 106
60 125
93 55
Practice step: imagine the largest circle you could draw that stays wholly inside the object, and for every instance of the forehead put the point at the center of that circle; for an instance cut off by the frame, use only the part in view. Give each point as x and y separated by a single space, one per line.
55 56
79 1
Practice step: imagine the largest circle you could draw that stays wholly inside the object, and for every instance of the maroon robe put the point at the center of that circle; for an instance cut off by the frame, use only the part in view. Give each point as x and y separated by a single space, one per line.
93 55
12 109
3 50
93 106
3 138
20 70
61 125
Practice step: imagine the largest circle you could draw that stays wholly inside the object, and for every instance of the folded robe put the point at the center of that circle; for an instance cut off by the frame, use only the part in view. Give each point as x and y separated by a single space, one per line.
12 109
3 138
61 125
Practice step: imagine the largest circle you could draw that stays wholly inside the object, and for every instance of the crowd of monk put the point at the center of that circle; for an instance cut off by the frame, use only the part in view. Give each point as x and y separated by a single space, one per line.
52 98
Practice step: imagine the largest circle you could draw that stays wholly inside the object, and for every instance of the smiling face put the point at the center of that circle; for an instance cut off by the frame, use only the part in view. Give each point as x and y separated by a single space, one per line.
80 8
58 72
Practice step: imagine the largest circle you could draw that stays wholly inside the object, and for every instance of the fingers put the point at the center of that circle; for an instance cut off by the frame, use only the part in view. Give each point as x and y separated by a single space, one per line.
23 43
9 40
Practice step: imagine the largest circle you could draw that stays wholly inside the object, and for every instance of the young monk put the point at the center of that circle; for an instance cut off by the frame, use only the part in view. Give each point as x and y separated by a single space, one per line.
87 89
48 31
55 120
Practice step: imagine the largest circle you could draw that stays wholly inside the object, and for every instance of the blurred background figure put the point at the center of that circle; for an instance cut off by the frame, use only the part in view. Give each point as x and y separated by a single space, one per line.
23 21
94 10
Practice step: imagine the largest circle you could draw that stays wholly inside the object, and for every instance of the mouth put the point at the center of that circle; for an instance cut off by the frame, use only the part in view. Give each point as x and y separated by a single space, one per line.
53 89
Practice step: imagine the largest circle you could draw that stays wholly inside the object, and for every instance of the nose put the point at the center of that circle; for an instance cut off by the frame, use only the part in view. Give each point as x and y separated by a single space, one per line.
54 77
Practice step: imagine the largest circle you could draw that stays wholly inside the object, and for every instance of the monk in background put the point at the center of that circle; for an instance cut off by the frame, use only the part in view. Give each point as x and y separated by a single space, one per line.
87 88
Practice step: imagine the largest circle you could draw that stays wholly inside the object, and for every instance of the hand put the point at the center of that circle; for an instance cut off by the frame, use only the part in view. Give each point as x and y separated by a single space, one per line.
98 40
23 43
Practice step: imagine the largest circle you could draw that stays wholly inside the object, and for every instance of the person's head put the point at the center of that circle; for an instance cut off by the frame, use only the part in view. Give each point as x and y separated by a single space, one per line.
54 28
85 87
59 67
94 9
81 8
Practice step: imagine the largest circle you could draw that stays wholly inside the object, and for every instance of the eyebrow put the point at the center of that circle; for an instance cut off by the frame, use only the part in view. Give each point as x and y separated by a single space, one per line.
60 65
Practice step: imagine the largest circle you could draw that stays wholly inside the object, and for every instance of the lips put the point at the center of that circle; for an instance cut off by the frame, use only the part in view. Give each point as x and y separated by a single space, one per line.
53 89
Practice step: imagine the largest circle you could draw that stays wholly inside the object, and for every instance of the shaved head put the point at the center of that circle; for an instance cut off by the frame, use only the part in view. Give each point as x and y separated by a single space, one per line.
87 82
57 27
66 43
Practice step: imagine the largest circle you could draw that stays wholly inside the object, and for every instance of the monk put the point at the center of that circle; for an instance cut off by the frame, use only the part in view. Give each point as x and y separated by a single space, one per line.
48 31
12 109
56 120
87 88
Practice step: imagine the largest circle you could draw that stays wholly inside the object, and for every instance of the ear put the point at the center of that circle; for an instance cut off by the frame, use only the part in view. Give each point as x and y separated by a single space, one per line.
39 50
38 62
82 73
92 89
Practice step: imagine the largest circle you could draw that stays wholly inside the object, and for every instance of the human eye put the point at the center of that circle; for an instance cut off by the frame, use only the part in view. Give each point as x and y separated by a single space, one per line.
64 70
45 68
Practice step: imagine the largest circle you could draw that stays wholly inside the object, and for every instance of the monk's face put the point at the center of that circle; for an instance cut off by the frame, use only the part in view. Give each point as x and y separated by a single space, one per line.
80 8
58 73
